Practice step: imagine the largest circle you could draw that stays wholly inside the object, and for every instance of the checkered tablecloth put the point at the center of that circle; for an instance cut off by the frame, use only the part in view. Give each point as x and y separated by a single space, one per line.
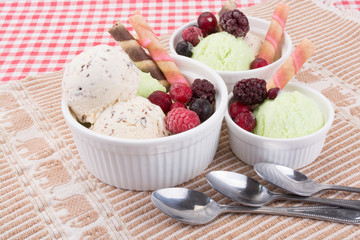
41 36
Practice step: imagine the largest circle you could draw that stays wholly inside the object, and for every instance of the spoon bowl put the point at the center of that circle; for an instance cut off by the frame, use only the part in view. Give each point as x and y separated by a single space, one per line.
193 207
294 181
186 205
240 188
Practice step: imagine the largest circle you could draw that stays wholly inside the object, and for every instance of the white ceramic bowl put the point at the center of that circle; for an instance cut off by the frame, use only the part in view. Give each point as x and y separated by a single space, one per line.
258 27
295 152
148 164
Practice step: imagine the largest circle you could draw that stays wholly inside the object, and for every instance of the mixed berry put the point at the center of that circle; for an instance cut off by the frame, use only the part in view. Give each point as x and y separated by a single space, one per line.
186 106
248 93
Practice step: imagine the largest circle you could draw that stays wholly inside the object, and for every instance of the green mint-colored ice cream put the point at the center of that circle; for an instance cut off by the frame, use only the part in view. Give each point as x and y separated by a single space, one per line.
224 52
290 115
148 85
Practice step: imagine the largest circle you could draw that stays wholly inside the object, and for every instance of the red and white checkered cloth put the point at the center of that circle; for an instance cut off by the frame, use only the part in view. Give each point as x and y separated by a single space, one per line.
41 36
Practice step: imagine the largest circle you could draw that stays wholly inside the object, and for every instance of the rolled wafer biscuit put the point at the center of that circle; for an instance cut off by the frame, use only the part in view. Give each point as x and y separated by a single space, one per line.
292 65
137 54
148 40
274 33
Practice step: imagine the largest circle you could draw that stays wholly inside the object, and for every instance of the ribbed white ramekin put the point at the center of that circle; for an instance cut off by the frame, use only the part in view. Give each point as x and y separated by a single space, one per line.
148 164
294 152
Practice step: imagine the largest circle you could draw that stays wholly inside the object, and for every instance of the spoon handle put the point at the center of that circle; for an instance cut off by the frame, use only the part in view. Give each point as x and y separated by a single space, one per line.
325 213
353 204
339 187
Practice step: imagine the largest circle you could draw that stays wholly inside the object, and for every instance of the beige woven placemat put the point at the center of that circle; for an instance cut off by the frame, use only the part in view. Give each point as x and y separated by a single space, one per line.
47 193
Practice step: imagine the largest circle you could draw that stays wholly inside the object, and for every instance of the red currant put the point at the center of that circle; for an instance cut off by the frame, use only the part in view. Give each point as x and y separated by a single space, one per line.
236 108
258 63
162 99
207 22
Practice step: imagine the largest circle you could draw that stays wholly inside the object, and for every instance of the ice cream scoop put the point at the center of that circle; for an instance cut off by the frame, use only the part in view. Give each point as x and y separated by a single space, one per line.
224 52
136 118
290 115
96 79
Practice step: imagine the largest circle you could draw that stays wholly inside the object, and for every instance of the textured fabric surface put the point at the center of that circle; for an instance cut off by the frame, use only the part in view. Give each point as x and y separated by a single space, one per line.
46 191
40 36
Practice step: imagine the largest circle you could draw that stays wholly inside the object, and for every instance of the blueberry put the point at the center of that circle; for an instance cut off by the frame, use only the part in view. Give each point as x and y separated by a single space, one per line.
202 108
184 48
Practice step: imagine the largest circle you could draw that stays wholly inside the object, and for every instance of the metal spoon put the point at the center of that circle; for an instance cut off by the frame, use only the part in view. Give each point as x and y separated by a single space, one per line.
194 207
294 181
247 191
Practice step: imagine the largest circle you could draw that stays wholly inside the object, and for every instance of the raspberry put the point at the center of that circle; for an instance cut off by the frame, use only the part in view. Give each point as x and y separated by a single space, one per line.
180 120
235 23
273 92
207 22
177 104
202 108
237 107
162 99
180 92
250 91
192 35
184 48
258 63
246 120
203 89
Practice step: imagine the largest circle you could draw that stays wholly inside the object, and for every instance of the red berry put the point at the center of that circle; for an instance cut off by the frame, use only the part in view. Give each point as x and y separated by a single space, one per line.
207 22
258 63
246 120
273 92
162 99
192 35
236 108
180 92
177 105
181 119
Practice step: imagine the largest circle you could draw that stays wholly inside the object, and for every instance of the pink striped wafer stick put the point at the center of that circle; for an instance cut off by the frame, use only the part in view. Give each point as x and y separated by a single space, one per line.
275 32
292 65
148 40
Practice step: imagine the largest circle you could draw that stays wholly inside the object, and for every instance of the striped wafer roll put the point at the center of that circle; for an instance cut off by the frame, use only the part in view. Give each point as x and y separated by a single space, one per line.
137 54
148 40
275 32
292 65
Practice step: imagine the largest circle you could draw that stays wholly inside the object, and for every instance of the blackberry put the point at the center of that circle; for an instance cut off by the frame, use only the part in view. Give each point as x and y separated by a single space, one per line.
202 108
235 23
250 91
203 89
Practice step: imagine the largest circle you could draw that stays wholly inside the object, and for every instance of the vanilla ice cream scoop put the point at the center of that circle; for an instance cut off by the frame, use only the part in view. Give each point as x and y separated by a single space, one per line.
137 118
97 78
